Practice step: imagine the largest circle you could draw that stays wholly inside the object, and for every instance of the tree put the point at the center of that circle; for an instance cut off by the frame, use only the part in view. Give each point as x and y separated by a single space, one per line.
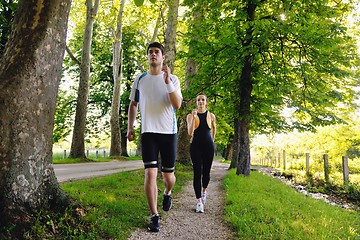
115 148
183 149
170 34
266 56
27 98
78 139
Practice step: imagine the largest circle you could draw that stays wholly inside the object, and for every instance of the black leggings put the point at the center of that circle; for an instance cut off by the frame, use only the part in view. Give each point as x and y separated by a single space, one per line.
202 154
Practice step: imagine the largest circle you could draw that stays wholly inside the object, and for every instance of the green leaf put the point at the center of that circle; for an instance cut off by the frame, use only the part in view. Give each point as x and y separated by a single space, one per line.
139 2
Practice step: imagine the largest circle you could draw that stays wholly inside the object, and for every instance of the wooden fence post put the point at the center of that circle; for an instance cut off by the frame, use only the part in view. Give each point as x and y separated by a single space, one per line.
64 154
97 153
284 160
345 169
104 153
87 153
326 168
307 163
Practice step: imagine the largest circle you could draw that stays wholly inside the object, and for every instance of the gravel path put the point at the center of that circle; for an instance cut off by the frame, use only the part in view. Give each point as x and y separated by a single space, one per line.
181 222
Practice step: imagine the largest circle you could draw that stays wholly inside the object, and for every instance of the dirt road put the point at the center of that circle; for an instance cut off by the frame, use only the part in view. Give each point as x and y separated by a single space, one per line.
181 222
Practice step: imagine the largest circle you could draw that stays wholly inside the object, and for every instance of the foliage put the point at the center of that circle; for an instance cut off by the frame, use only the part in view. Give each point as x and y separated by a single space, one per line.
335 141
303 57
101 80
261 206
65 108
7 12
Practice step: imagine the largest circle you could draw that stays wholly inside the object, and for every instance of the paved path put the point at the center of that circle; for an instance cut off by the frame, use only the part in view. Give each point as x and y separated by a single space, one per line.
77 171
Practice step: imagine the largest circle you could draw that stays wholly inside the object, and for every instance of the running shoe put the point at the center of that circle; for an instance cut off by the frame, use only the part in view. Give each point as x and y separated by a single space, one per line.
167 202
154 225
199 207
203 198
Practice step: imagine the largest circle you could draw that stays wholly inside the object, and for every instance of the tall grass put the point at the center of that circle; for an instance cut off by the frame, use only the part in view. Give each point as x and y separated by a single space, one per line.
260 207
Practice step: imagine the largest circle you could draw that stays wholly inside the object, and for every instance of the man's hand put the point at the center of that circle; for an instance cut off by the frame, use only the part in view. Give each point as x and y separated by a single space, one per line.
167 72
131 134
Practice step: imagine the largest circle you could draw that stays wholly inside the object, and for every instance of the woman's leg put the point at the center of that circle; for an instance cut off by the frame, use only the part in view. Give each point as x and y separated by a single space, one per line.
207 157
196 161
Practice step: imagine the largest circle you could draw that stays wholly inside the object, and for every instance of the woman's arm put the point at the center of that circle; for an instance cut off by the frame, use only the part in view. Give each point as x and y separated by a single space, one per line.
190 123
213 126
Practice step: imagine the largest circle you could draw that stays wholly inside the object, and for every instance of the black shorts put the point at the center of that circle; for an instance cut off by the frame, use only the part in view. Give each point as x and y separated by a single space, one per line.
155 143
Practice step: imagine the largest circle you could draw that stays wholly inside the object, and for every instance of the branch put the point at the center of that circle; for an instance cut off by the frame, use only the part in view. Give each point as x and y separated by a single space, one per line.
144 35
72 56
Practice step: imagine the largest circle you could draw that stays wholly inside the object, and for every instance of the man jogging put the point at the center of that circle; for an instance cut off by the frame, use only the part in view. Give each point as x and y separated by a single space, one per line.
157 93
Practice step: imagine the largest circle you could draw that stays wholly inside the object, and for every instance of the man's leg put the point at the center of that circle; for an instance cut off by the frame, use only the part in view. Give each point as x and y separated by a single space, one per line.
169 181
168 157
151 189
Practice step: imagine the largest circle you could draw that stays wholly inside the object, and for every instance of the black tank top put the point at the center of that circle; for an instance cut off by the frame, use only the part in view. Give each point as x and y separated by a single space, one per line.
202 133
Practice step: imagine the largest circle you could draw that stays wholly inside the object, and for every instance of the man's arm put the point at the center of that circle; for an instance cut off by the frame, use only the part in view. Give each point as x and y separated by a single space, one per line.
175 100
131 119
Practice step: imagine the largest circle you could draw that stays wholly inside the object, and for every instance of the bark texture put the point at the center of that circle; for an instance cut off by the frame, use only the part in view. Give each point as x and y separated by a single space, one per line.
30 71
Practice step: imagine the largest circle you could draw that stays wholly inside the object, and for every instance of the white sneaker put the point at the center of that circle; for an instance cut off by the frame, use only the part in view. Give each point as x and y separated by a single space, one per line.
199 207
203 198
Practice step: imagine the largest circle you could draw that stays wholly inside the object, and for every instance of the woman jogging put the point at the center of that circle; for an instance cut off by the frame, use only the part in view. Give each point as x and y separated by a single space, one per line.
202 129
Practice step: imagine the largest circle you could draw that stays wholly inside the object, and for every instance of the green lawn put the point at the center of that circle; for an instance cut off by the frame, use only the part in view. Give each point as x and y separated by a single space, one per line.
261 207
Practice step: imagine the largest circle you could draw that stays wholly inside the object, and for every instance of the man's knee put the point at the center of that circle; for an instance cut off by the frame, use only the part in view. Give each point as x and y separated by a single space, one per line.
151 173
169 176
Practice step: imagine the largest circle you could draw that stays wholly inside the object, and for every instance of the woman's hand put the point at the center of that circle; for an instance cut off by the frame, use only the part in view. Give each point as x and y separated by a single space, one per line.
194 112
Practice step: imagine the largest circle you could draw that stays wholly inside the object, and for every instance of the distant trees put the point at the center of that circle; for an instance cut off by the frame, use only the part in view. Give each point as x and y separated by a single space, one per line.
110 89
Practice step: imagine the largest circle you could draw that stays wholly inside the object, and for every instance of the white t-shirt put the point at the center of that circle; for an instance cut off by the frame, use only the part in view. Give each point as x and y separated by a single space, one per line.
157 113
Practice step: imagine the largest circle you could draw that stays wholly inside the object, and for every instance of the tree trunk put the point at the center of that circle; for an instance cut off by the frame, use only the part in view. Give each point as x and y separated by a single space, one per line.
235 145
228 153
30 72
183 151
78 139
170 35
124 144
245 89
115 148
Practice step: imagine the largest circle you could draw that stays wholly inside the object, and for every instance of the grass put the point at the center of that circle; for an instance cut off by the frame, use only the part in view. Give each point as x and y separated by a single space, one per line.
116 203
58 158
257 207
260 207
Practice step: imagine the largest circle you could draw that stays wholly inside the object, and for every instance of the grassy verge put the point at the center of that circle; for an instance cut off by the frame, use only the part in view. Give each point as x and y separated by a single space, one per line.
260 207
58 159
116 204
